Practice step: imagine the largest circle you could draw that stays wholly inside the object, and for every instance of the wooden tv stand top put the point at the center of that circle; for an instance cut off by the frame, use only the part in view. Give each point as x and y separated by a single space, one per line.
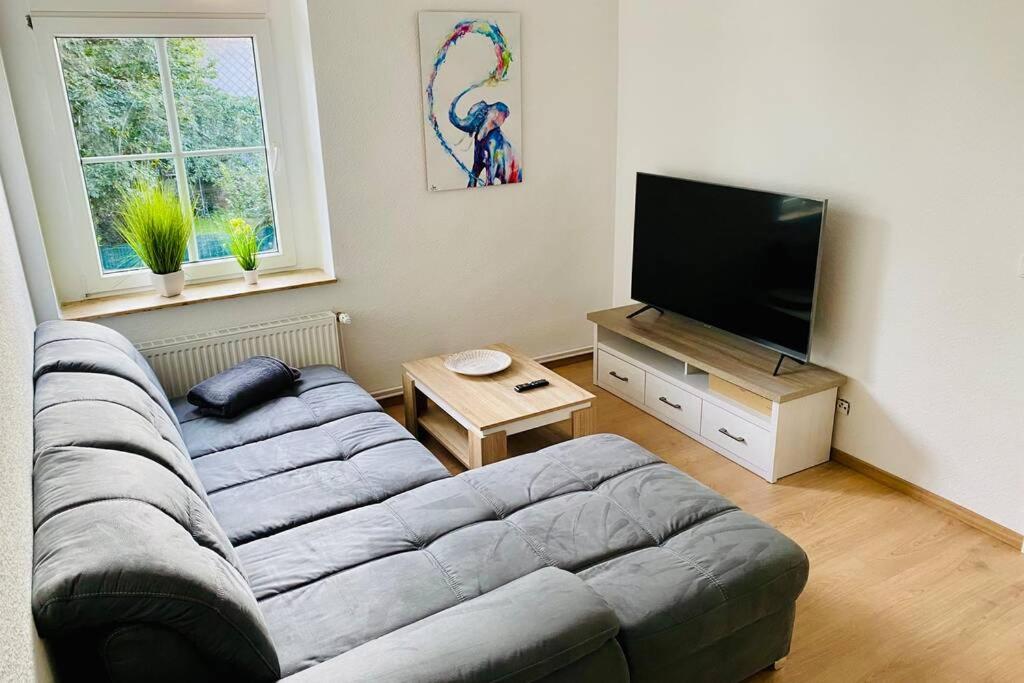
732 358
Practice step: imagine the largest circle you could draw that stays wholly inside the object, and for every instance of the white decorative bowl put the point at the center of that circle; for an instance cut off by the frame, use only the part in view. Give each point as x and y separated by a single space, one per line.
478 362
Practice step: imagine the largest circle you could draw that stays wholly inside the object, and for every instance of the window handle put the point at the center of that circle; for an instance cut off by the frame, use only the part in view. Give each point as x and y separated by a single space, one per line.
669 403
273 159
618 377
725 431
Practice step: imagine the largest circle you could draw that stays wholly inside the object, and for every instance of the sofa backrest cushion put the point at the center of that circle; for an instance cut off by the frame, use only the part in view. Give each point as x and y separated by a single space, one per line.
124 533
77 346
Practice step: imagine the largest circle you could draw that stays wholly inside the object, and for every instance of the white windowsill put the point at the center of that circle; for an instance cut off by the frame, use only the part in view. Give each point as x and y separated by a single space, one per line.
123 304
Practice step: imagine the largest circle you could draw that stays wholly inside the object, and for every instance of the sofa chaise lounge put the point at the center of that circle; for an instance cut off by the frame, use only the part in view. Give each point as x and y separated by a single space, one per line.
312 538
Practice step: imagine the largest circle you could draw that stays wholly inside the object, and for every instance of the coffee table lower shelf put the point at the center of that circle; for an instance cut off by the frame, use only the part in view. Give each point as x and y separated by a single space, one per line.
448 433
474 450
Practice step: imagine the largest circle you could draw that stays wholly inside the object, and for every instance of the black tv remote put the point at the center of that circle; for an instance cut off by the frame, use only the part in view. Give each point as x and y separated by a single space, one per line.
535 384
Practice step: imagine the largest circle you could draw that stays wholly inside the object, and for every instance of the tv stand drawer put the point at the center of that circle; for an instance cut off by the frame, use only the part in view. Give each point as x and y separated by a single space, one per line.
736 435
671 403
620 377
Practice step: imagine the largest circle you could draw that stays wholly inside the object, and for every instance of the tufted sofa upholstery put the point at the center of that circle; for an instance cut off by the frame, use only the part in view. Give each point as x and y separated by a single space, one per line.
312 537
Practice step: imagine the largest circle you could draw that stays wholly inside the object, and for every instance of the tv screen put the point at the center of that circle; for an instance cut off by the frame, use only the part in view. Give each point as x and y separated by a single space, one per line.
743 261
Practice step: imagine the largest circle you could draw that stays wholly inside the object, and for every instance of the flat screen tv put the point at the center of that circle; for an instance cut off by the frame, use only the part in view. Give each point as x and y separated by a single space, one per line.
739 260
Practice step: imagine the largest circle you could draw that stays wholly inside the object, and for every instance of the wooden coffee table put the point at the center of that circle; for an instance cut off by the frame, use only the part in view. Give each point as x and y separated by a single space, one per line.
473 416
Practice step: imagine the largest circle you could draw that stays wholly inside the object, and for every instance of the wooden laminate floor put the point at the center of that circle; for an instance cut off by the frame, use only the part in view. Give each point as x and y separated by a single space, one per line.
898 591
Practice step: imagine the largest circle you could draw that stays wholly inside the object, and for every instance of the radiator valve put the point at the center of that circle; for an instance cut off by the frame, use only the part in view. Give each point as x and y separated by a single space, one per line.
344 319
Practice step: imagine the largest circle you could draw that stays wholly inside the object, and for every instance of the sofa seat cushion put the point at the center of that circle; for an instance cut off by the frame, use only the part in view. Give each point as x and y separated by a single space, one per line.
322 394
523 631
325 479
678 563
322 448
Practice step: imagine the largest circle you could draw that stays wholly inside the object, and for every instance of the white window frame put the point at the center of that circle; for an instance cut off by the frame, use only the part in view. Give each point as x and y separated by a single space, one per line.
73 250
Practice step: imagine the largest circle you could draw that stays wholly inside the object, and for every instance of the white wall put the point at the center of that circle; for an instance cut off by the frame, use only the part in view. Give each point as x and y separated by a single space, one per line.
908 117
13 169
23 658
422 272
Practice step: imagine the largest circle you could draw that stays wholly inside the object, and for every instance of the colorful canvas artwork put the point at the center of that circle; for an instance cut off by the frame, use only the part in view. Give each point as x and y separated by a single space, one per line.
472 99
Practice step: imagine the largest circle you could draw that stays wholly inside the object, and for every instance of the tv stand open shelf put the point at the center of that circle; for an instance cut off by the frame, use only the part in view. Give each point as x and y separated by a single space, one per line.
718 389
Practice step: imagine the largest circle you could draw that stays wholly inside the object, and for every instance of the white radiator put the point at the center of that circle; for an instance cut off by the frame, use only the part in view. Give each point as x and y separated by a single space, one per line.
181 362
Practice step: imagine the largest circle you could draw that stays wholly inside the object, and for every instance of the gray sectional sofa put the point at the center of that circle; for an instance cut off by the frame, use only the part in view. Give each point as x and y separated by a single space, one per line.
313 539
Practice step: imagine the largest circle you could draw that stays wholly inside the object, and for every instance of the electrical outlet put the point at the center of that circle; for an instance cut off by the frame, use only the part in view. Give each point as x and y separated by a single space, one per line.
843 406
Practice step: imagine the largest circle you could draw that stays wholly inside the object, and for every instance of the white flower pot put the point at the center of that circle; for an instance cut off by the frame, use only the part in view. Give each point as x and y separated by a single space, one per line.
169 284
251 276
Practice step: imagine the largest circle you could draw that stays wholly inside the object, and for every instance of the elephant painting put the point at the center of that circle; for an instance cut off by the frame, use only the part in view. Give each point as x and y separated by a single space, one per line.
476 145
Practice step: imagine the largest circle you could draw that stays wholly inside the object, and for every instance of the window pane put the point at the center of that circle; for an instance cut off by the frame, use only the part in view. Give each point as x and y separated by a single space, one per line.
215 92
226 187
105 184
113 88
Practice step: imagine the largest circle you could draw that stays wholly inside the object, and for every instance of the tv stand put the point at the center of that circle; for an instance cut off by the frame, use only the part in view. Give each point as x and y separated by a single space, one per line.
782 357
718 389
645 307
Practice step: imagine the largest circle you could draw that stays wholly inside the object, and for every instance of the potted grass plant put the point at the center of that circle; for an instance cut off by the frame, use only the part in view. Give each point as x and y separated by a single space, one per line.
154 224
244 244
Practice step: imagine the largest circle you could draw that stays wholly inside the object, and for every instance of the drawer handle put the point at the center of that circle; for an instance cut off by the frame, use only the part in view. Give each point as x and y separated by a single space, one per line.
669 403
618 377
725 431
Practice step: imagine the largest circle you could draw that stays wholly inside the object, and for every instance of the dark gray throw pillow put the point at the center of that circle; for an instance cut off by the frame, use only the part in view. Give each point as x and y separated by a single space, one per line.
247 384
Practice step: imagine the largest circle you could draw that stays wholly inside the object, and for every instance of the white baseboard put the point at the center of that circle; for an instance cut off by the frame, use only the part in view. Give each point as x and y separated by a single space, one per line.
382 394
551 357
386 393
